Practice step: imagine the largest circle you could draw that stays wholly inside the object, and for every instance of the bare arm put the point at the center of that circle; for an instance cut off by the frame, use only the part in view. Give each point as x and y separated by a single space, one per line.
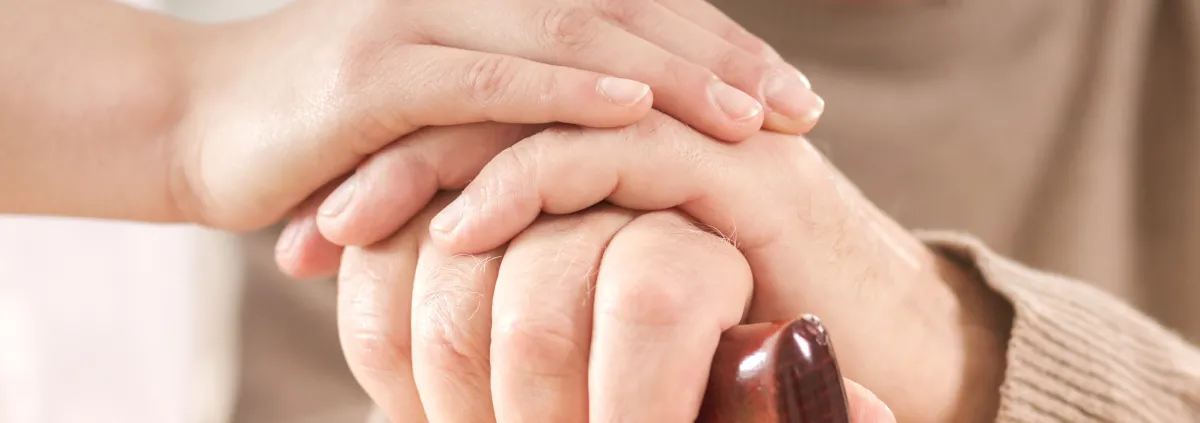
88 92
106 111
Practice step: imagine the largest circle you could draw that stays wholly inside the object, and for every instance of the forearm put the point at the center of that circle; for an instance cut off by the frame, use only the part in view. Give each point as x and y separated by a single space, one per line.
89 94
952 338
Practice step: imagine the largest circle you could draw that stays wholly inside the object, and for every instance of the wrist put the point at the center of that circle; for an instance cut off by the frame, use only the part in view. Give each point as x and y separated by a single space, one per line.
974 322
210 60
237 107
92 99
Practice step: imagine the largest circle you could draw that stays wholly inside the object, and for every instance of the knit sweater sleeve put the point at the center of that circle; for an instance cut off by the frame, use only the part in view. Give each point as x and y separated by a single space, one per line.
1077 354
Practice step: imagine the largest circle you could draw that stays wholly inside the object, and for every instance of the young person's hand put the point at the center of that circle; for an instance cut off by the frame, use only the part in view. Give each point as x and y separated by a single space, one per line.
284 104
233 125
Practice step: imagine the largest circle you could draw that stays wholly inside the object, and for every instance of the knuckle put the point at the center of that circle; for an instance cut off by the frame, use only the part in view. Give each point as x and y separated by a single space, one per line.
655 125
374 125
578 244
543 342
680 145
372 343
574 243
625 12
646 298
661 289
653 293
567 28
448 318
490 77
516 169
376 351
674 232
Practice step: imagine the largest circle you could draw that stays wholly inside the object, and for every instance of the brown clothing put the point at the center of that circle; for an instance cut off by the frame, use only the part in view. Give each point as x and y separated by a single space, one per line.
1063 134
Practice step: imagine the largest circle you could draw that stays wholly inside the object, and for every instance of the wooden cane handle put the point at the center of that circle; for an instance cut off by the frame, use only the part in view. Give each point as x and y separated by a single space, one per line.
778 372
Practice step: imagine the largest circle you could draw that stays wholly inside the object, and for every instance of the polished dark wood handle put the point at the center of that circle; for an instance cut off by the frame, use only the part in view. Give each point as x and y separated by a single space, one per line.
778 372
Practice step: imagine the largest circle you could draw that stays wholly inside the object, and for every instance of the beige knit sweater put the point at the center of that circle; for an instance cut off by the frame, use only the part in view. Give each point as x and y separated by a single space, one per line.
1064 134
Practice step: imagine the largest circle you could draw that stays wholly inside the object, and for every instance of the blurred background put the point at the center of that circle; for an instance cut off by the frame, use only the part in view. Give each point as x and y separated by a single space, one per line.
121 322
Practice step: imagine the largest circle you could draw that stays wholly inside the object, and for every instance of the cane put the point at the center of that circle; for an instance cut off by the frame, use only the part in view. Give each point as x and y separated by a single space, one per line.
777 372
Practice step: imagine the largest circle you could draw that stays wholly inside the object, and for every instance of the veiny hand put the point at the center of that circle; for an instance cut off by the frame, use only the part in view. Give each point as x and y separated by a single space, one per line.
599 315
904 316
282 105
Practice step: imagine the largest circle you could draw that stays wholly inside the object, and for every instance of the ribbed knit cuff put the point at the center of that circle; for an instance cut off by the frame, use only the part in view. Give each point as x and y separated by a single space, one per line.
1077 354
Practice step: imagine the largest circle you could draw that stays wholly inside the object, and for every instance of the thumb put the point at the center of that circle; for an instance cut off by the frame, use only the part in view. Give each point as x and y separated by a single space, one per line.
865 407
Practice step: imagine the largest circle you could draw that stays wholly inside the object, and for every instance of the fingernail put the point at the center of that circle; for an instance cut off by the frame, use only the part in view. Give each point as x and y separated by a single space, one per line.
622 92
288 238
804 79
814 113
736 104
788 92
778 122
447 220
336 202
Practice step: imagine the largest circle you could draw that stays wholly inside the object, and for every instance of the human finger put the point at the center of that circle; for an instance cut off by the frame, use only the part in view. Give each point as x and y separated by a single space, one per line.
711 18
444 86
386 191
865 407
451 327
663 287
654 165
806 106
791 104
542 321
374 309
300 251
764 193
582 35
398 181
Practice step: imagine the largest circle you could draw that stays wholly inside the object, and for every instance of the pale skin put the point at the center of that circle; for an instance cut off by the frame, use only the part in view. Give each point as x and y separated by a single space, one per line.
903 315
115 113
543 333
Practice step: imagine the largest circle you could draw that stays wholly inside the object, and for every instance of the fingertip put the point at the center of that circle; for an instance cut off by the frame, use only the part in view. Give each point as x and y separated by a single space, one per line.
302 252
742 114
338 207
445 224
330 228
616 102
793 107
865 407
464 230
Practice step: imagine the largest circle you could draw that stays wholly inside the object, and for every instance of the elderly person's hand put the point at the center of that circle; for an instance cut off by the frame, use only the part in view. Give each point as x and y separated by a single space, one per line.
599 315
913 326
917 329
